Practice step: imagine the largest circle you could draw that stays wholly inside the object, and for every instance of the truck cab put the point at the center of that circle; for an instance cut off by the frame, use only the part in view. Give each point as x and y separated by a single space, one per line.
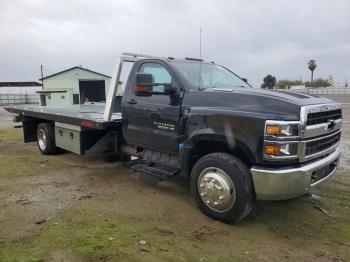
196 119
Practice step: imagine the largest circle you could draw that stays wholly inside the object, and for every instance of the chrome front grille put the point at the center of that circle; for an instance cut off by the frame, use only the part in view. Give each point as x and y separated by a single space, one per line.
321 144
321 126
323 117
318 120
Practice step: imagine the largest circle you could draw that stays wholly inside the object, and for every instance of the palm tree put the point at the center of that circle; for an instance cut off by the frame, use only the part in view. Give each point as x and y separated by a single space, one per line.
312 66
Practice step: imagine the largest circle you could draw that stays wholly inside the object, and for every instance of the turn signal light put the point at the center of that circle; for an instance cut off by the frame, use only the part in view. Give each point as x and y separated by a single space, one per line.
141 88
273 130
272 149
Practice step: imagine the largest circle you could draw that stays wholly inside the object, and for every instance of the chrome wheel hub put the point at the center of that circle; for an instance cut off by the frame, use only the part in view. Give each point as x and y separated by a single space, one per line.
216 189
41 139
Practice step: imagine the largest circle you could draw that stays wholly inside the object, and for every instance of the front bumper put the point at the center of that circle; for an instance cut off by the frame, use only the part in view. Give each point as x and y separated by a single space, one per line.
290 182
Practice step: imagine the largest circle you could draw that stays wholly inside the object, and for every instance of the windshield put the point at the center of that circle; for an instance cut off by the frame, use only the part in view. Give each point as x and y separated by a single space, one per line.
204 75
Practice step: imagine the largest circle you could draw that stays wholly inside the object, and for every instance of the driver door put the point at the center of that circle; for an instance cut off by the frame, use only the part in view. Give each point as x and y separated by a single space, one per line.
153 121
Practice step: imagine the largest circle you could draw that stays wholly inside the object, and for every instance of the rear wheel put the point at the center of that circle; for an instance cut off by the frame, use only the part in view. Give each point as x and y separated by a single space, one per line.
222 187
46 139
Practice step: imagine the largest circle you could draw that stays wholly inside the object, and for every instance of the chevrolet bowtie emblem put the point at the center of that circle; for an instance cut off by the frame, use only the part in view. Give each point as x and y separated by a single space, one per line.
330 125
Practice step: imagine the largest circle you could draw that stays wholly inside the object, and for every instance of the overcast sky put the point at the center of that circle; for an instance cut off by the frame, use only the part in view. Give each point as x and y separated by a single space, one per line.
253 38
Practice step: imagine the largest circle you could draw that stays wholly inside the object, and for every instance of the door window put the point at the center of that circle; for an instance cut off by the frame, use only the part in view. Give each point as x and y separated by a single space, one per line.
160 75
161 79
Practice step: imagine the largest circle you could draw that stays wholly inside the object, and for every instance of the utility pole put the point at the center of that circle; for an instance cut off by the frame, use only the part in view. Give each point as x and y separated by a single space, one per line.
42 77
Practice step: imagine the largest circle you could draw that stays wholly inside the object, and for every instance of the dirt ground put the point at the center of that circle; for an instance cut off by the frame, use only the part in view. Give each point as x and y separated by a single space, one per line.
5 119
72 208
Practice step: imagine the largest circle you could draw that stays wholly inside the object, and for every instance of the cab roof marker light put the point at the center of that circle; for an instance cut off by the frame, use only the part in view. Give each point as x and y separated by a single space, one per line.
194 59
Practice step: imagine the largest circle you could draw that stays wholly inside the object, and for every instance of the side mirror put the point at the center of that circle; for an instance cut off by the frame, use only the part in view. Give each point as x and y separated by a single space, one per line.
143 84
245 80
171 89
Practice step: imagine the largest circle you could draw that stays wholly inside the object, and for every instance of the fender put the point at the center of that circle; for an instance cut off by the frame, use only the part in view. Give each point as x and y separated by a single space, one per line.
222 131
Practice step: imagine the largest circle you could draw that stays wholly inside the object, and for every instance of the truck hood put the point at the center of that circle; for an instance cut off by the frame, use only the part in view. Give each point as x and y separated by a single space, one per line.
300 99
273 103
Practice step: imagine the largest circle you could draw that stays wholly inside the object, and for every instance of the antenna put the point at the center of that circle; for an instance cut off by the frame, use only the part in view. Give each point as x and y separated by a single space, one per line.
200 42
200 57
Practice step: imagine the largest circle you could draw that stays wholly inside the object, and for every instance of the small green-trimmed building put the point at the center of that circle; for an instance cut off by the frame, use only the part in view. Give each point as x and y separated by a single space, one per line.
75 85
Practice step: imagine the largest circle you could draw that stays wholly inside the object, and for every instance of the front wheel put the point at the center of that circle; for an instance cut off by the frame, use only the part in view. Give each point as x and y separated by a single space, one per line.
222 187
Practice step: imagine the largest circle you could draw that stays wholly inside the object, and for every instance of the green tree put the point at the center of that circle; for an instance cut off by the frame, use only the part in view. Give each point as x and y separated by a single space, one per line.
269 82
312 66
319 82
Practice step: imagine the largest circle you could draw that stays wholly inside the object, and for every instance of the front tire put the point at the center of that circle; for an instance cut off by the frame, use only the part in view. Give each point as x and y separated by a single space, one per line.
46 139
222 187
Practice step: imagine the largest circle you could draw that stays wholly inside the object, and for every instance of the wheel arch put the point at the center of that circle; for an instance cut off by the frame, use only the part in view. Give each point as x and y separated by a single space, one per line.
202 145
30 125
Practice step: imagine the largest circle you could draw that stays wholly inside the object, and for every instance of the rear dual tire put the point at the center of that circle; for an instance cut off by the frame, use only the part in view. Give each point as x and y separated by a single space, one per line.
222 187
46 139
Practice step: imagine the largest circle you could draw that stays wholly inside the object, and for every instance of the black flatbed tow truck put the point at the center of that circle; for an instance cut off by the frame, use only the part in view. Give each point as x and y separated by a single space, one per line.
191 118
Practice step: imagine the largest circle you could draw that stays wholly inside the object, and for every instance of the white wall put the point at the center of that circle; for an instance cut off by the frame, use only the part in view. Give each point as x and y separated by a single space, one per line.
19 89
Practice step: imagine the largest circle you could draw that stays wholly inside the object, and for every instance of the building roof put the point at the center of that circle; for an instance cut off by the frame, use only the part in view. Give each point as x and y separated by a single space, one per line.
9 84
72 68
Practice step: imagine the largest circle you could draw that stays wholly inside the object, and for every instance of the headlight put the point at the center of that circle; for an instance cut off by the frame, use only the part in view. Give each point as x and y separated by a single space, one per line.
281 140
281 128
279 150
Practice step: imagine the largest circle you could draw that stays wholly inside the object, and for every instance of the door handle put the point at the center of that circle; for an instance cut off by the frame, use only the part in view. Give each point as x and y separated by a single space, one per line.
132 101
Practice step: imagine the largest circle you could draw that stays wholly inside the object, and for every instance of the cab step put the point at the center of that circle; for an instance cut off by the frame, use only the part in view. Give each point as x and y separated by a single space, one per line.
160 172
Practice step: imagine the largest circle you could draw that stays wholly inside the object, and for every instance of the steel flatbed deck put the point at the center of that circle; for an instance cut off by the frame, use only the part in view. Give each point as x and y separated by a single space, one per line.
87 115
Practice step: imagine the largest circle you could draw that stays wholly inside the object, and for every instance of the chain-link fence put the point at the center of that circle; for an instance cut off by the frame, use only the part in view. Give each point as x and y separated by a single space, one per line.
6 99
